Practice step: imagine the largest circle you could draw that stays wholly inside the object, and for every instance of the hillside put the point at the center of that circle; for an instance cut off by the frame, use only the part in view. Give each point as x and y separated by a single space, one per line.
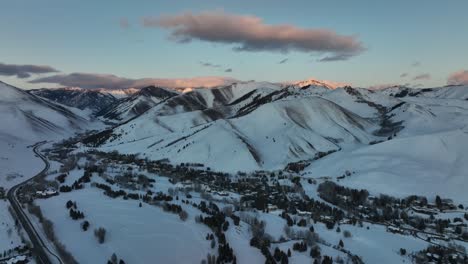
32 119
135 104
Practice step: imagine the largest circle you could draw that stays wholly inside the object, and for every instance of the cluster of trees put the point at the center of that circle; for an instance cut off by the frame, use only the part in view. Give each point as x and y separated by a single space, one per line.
61 178
75 186
439 254
85 225
216 220
75 214
160 196
300 246
333 193
114 194
280 256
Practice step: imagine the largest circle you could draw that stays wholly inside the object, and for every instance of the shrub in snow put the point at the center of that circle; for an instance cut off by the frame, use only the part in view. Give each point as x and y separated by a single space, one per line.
100 234
347 234
402 251
341 244
183 215
85 225
315 252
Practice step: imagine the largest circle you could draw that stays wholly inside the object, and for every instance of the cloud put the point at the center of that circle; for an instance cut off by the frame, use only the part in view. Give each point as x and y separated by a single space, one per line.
458 78
424 76
208 64
283 61
124 23
93 81
24 71
403 75
250 33
416 64
336 57
212 65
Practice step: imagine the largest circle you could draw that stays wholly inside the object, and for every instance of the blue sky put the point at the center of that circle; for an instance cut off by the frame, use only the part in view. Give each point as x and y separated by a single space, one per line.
86 36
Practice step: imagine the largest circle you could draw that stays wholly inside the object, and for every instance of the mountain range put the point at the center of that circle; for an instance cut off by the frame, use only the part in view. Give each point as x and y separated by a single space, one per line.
394 139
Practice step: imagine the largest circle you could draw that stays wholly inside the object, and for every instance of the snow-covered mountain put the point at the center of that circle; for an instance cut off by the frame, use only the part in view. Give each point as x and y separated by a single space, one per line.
26 116
247 126
264 126
136 104
79 98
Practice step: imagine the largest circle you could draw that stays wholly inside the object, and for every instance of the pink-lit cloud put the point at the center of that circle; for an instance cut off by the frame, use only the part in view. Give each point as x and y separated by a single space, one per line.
250 33
458 78
93 81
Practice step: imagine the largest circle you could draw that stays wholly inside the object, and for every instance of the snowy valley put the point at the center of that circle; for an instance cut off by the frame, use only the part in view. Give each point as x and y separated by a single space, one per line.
252 172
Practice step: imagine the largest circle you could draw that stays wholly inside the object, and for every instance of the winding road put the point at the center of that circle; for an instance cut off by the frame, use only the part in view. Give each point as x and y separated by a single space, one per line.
40 250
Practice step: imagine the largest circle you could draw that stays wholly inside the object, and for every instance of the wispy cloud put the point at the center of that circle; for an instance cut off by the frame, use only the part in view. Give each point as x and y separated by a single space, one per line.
458 78
24 71
250 33
424 76
283 61
403 75
209 64
416 64
336 57
92 81
216 66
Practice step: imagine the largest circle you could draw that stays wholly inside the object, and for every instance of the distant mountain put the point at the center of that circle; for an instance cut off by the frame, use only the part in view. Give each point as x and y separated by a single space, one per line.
135 104
318 83
27 117
119 93
94 100
246 126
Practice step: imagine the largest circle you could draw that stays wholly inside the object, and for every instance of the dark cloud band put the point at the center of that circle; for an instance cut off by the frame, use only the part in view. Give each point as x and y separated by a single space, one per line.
24 71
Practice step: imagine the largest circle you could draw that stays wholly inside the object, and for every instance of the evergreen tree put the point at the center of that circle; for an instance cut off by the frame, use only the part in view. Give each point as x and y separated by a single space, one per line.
341 244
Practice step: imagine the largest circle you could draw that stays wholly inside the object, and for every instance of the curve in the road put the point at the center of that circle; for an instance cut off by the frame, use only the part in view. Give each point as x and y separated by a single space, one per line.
39 247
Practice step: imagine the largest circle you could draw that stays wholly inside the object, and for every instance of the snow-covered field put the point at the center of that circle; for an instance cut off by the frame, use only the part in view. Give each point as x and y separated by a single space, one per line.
137 235
17 163
9 237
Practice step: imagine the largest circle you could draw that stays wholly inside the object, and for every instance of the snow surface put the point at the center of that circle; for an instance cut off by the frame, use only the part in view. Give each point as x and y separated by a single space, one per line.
9 237
17 162
138 235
